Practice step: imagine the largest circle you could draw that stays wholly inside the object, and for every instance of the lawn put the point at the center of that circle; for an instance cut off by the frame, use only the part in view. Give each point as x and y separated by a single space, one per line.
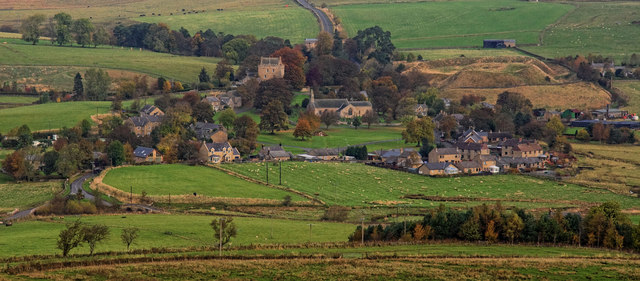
4 153
453 23
284 19
166 231
337 136
594 28
50 115
24 195
631 89
183 180
361 185
186 69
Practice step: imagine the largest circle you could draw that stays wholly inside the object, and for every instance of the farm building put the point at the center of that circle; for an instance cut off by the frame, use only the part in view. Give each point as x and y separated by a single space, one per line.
609 113
147 155
344 107
499 43
438 169
270 68
274 153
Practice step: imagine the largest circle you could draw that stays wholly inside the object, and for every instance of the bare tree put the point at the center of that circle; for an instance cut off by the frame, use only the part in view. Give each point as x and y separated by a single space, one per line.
129 235
329 118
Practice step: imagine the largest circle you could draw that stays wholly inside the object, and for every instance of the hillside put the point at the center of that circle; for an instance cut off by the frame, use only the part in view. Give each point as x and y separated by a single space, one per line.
546 85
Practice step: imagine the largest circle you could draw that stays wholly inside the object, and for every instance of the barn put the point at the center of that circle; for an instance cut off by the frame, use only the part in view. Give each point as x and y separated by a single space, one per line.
499 43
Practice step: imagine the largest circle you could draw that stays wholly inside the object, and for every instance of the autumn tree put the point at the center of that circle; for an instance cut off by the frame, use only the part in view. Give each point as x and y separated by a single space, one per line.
246 134
303 129
369 118
273 117
14 165
600 132
83 30
418 130
324 46
555 125
384 95
419 233
271 90
583 135
490 234
30 28
223 230
293 61
227 117
448 125
203 112
513 227
329 117
314 120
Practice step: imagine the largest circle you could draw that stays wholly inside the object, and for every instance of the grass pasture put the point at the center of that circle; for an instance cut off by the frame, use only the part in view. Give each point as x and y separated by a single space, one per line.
631 89
594 28
50 115
184 180
24 195
452 23
17 99
181 68
166 231
612 167
337 136
361 185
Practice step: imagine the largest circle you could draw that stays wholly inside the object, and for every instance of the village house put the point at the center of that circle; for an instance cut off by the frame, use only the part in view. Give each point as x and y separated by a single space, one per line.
151 110
609 113
471 136
210 131
407 159
310 43
469 167
326 154
496 137
218 152
421 110
231 99
270 68
146 155
344 107
488 163
441 155
519 148
438 169
274 153
519 163
214 102
143 125
469 150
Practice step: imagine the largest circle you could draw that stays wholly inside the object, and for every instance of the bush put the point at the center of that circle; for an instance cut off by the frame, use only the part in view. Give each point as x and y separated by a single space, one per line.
336 213
88 208
73 207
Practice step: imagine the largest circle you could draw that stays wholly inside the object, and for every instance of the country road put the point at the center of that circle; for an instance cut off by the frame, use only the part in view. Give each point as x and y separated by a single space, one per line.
323 19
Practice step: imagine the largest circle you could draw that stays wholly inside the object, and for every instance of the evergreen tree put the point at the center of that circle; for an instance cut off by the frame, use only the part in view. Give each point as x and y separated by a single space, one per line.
78 88
204 76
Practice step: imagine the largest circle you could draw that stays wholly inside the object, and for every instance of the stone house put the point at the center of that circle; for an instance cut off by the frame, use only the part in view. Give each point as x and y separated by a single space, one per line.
310 43
146 155
442 155
469 167
270 68
210 131
469 150
438 169
344 107
218 152
151 110
274 153
519 148
326 154
421 110
215 103
488 163
143 125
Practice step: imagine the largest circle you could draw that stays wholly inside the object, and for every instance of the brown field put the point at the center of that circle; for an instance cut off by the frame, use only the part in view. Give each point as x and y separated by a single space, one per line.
382 268
575 95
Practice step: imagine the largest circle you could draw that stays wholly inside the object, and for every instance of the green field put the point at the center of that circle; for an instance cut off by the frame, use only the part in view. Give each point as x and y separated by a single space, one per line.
436 54
594 28
186 69
167 231
631 89
360 185
452 23
17 99
25 195
340 136
50 115
182 180
260 19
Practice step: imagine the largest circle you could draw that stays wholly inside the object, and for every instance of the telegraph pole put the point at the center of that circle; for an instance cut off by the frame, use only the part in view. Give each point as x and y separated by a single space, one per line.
280 163
362 227
310 225
221 237
131 195
267 172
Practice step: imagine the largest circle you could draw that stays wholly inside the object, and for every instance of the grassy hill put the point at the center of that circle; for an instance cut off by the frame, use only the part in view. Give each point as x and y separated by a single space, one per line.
18 54
50 115
24 195
631 89
360 185
452 23
188 180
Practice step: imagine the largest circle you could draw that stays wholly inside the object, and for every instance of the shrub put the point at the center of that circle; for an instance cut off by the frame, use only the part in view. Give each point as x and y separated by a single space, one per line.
336 213
73 207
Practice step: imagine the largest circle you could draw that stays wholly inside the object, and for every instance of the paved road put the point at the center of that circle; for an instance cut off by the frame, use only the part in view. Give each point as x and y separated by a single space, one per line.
323 19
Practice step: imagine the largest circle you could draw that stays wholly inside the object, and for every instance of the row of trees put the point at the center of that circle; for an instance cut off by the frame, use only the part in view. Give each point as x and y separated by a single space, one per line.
63 30
76 234
606 133
603 225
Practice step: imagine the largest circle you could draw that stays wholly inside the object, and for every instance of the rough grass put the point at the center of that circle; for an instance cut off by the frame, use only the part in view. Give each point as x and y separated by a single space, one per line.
283 19
24 195
598 28
612 167
631 89
452 23
578 95
340 136
360 185
166 231
187 180
435 54
17 99
154 64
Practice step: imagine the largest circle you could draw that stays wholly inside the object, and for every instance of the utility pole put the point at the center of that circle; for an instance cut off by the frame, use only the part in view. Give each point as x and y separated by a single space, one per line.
362 232
267 172
131 195
280 163
310 225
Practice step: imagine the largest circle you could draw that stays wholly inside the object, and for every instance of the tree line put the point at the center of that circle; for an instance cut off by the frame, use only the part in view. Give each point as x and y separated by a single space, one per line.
602 226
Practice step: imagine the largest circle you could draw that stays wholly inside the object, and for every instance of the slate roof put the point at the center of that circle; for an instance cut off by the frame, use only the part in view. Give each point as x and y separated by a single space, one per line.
395 152
360 103
217 146
438 166
446 151
500 135
142 152
140 121
330 103
471 146
468 165
147 109
270 61
212 99
324 152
